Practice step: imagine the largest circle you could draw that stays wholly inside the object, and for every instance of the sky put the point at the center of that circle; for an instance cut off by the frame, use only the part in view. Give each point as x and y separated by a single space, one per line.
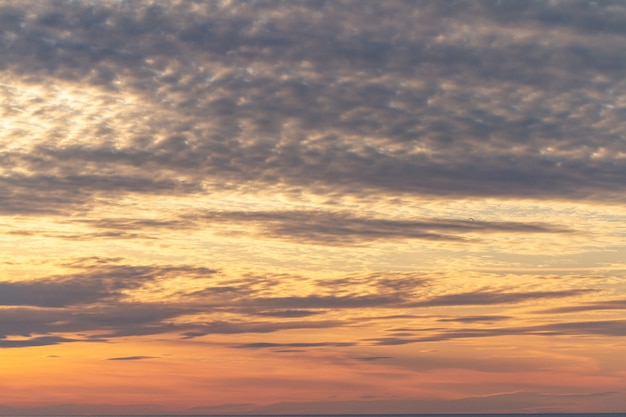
274 207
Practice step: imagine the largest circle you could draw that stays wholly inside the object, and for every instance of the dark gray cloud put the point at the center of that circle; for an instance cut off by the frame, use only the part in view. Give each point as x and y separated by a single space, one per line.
115 320
71 290
97 300
94 299
109 321
312 227
398 299
48 194
343 97
93 284
34 341
337 228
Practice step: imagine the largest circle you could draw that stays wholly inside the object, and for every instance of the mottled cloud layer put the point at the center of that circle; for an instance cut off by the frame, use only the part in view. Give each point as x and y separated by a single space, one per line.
474 100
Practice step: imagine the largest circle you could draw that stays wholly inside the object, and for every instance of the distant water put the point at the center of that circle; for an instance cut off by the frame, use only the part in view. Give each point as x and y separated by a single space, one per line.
363 415
360 415
388 415
412 415
380 415
356 415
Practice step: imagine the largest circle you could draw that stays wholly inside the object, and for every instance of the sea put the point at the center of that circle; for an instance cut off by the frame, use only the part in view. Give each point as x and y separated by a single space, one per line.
354 415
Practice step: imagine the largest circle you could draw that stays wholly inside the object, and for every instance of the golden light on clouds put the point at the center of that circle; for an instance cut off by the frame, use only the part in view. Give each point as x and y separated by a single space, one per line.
343 207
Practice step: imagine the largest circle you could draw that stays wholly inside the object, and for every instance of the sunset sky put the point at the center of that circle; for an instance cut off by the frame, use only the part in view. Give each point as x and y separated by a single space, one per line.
270 207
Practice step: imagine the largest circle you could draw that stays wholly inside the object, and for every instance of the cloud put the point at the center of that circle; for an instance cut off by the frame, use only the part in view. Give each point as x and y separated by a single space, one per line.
611 328
372 358
93 284
131 358
229 408
108 321
336 228
98 296
222 327
490 297
474 319
80 289
34 341
265 345
325 302
318 227
520 401
401 300
388 99
98 300
288 313
601 305
94 299
78 409
598 327
261 293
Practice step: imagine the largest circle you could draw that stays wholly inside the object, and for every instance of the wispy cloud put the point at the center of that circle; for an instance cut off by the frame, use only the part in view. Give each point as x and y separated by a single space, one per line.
131 358
600 328
500 402
265 345
601 305
489 297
